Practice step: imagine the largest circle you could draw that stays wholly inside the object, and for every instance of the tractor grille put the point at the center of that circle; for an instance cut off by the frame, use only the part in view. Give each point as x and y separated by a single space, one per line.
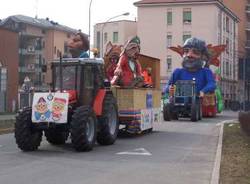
183 100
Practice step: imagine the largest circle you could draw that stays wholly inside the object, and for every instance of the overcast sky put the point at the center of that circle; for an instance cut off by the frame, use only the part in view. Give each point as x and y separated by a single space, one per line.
72 13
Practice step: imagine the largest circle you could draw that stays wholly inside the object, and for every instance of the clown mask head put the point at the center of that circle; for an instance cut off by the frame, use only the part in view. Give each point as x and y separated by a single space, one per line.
41 106
58 105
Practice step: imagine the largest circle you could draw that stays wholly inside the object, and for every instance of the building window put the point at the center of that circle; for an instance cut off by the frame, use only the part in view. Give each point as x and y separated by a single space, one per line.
169 18
98 39
3 79
43 44
186 36
65 47
187 16
227 24
105 37
169 63
115 37
227 45
169 40
54 49
227 68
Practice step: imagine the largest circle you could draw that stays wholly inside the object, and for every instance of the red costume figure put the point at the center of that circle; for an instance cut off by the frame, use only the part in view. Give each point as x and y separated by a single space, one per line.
128 71
111 59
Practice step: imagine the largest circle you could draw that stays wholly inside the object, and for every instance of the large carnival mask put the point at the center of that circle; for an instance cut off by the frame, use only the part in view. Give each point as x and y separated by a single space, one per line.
78 44
194 51
210 54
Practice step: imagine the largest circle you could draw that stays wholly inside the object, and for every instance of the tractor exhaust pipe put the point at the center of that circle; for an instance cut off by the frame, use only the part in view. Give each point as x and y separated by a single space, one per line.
60 73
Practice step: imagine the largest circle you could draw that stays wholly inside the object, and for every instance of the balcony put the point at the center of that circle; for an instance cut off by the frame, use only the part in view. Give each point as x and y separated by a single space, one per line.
29 51
247 46
30 68
247 28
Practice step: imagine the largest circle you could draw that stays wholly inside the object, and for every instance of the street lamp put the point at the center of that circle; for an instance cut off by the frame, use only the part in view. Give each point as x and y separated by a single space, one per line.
124 14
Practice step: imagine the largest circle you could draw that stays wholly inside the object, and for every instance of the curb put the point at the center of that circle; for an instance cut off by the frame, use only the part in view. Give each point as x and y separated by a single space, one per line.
216 170
6 130
7 126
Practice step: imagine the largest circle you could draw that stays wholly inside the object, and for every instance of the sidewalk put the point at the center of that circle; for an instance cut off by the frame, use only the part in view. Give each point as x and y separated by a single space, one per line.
7 117
7 123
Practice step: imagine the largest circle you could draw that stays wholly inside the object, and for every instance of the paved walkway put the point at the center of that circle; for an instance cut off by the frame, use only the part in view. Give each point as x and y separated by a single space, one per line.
7 117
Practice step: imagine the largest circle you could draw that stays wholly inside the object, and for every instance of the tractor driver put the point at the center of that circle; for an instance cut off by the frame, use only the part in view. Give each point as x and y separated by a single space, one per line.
79 46
194 56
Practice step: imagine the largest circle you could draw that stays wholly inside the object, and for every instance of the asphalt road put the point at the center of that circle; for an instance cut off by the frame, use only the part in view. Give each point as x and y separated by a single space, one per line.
176 152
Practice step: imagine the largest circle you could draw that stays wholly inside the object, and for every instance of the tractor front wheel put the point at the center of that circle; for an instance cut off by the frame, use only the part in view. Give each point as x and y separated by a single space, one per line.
200 111
108 122
83 128
27 137
166 112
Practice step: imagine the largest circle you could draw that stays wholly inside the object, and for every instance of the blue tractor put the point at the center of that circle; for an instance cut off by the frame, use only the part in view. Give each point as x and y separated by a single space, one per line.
183 103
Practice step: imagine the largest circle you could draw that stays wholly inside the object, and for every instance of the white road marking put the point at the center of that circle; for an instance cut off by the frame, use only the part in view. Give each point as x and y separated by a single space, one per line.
138 151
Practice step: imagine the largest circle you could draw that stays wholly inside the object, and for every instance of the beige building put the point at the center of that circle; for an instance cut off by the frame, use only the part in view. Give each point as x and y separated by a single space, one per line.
118 32
164 23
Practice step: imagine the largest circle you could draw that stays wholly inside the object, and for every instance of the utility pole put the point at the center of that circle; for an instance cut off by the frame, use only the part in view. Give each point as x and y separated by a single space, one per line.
36 8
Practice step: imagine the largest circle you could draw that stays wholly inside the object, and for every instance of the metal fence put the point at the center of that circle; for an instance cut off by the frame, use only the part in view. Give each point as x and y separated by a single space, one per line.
239 106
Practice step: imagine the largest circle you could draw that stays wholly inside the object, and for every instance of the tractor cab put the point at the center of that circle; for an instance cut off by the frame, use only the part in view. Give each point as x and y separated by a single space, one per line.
184 103
80 77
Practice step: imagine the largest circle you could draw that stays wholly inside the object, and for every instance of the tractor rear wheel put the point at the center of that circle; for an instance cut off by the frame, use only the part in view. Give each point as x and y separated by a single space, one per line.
55 136
166 112
195 112
175 116
83 128
27 137
200 112
108 122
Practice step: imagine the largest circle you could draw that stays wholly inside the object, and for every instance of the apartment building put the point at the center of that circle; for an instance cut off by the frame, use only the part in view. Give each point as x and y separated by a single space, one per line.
242 10
40 41
117 32
26 45
164 23
8 70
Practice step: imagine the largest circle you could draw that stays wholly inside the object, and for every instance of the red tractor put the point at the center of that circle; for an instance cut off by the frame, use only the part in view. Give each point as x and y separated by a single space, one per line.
80 104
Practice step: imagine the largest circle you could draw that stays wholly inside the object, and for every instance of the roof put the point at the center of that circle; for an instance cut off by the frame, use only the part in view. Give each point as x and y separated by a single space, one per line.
42 23
116 21
170 1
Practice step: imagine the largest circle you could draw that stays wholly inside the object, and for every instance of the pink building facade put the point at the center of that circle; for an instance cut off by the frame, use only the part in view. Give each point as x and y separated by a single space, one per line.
164 23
